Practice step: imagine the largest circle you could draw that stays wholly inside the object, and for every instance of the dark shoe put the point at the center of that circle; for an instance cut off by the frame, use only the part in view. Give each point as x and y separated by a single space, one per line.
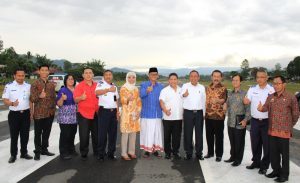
230 160
218 159
272 175
176 156
74 153
167 156
235 163
12 159
26 156
157 154
112 157
188 157
262 171
65 157
84 157
146 155
252 166
100 158
208 156
200 157
47 153
37 156
281 179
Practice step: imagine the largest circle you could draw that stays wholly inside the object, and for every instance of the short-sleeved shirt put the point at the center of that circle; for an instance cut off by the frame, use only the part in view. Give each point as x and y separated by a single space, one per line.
14 91
196 98
66 112
256 94
69 93
88 107
107 100
172 100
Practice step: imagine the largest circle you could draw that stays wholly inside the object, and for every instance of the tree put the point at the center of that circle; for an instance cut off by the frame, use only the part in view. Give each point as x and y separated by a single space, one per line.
245 68
1 45
277 70
293 68
67 65
97 65
43 60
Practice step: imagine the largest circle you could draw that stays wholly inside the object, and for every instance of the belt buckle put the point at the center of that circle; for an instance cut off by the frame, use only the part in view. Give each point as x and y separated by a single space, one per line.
260 119
111 110
194 111
21 111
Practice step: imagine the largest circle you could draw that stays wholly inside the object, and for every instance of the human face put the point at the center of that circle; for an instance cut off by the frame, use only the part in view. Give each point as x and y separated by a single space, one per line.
279 86
173 81
194 78
261 78
131 79
19 77
70 81
108 77
88 75
216 78
44 72
236 82
153 76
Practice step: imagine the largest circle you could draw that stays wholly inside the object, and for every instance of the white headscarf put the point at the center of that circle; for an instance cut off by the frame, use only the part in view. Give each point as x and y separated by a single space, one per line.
127 85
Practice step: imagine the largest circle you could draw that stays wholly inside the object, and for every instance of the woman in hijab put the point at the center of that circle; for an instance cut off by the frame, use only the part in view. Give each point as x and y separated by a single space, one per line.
130 116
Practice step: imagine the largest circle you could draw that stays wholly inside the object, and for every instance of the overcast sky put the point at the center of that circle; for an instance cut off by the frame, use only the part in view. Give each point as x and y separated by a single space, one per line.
164 33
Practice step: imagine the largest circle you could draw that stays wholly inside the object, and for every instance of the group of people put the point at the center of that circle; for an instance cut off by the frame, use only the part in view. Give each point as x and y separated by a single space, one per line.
159 113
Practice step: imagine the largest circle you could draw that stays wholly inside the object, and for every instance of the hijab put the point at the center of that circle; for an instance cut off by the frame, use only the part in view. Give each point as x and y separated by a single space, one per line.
127 85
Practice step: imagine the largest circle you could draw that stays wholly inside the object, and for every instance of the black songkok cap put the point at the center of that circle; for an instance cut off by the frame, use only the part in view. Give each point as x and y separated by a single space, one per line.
153 69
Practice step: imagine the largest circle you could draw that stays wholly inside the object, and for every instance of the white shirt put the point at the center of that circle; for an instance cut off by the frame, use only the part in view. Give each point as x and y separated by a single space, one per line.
196 98
21 92
107 100
172 100
256 94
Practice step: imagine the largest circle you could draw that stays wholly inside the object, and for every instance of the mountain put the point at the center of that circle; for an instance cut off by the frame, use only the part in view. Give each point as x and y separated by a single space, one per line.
59 62
201 70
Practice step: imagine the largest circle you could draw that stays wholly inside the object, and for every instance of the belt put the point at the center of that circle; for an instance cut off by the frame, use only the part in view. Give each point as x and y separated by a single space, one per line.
20 111
260 119
108 109
193 111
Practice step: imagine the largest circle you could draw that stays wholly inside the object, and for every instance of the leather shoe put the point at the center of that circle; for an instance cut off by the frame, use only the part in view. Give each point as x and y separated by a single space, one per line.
47 153
65 157
208 156
84 157
200 157
156 153
230 160
252 166
176 156
12 159
218 159
26 156
281 179
112 157
167 156
272 175
235 163
37 157
187 157
262 171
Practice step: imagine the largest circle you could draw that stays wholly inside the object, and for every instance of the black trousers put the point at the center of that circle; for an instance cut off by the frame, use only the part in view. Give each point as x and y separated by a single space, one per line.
215 135
193 119
107 129
87 127
19 124
66 139
260 140
237 143
172 134
279 148
42 130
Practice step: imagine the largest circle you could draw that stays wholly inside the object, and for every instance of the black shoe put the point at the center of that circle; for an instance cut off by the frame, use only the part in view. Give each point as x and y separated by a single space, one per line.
176 156
167 156
156 153
262 171
218 159
65 157
146 155
12 159
230 160
47 153
26 156
200 157
281 179
272 175
208 156
74 153
252 166
84 157
111 157
188 157
100 158
37 157
235 163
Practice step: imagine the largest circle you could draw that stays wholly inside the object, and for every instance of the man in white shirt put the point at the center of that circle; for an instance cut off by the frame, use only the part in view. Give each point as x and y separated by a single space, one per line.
171 104
259 122
107 116
194 99
16 96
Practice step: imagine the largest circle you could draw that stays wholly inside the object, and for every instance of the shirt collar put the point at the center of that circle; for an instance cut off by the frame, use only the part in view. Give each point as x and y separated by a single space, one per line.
284 93
217 86
40 79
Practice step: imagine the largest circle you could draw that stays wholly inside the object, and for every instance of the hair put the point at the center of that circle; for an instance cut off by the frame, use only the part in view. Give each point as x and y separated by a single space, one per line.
237 74
281 78
261 70
173 74
66 78
18 69
195 72
85 68
217 71
108 70
43 65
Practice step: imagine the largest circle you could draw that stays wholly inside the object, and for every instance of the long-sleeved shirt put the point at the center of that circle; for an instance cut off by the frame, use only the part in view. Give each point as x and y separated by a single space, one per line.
283 113
150 101
215 111
43 107
235 106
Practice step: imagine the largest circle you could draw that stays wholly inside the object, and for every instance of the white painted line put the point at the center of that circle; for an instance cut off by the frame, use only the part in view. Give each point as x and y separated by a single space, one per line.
3 115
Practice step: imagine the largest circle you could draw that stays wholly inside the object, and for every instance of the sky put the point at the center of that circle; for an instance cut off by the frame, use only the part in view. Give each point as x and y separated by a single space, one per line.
137 34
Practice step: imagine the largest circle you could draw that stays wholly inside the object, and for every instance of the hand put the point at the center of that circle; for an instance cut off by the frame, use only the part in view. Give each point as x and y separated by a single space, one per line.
112 89
186 93
118 115
224 107
137 115
149 89
167 112
214 100
246 101
260 107
31 115
243 123
83 96
16 103
64 96
130 98
43 94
